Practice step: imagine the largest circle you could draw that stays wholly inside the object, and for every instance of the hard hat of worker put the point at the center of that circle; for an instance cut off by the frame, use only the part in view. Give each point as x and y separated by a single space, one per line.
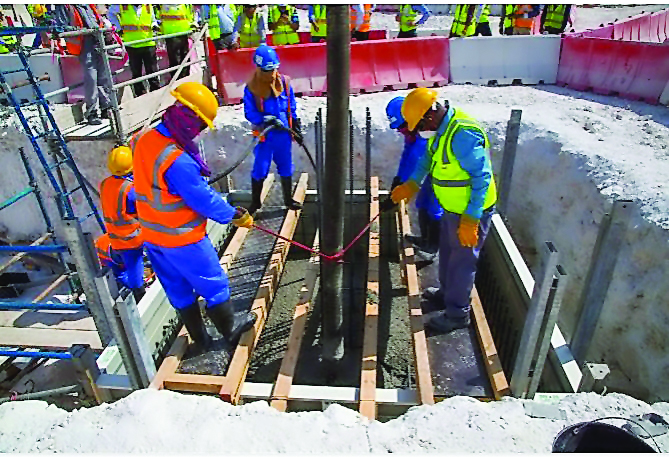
265 58
119 161
39 10
416 104
199 99
394 112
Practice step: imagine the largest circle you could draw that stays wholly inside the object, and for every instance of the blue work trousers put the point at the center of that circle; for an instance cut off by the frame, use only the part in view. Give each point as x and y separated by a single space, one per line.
190 271
133 259
428 201
277 146
457 264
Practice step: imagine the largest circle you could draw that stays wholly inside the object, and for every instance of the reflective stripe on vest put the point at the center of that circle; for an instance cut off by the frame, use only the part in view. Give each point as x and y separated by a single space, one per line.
450 182
248 33
366 18
103 249
123 229
460 19
165 218
523 22
407 18
214 23
283 34
175 20
320 17
137 28
555 16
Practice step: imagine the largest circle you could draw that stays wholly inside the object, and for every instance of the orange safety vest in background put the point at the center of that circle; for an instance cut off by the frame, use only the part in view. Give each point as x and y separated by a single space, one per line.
103 248
366 18
123 229
165 218
523 22
74 44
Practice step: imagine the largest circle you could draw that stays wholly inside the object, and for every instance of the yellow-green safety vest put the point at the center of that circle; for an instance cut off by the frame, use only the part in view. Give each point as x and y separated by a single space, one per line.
283 34
8 40
320 17
175 19
555 16
450 182
508 20
484 14
248 33
137 28
407 18
459 21
213 23
236 11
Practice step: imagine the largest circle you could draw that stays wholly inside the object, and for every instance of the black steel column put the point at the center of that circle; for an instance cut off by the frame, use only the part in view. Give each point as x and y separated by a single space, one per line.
334 176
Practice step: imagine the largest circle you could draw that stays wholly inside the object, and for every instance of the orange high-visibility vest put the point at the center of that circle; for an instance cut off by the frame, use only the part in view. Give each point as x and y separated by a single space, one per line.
523 22
73 44
123 229
103 248
366 18
165 218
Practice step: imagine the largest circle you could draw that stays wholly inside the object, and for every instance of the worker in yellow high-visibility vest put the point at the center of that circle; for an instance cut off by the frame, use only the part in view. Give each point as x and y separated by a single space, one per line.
554 19
407 19
464 21
319 24
283 22
221 21
506 20
483 21
176 19
250 28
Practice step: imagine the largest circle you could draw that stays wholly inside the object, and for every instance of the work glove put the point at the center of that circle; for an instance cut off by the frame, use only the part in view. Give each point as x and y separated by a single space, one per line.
273 120
396 182
468 231
404 191
242 218
387 205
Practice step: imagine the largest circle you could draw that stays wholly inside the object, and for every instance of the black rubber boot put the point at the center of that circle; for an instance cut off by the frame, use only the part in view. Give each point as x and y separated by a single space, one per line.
192 319
434 230
229 323
138 293
256 190
287 187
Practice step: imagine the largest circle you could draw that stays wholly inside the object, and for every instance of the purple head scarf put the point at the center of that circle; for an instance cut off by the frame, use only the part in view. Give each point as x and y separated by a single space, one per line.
185 125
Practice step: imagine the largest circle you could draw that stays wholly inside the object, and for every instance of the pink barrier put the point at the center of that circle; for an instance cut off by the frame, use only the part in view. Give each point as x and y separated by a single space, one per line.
646 28
305 37
637 71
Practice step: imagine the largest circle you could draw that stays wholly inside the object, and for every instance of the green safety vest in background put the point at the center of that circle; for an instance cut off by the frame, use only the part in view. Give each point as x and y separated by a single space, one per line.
508 20
451 183
213 23
459 21
283 34
248 33
555 16
8 40
320 16
484 14
137 28
175 19
407 18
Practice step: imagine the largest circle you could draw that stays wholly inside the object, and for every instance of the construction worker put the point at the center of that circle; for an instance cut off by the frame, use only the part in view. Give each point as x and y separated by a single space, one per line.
176 19
6 41
429 209
221 21
38 13
108 258
250 28
523 18
458 161
118 200
361 18
174 202
283 22
483 22
554 19
407 19
506 20
464 21
319 23
138 22
269 101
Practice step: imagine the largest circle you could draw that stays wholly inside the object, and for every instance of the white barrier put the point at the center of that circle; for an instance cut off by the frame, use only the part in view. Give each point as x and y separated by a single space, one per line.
486 60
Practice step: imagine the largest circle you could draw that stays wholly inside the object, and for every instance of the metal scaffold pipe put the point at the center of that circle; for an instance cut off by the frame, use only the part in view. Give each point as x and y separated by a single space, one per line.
336 153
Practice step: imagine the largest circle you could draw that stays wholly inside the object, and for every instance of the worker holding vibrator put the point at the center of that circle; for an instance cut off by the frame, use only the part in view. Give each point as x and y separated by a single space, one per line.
429 209
457 159
269 101
174 202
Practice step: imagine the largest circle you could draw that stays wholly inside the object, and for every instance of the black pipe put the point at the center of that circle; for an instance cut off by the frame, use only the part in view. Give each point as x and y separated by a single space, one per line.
336 151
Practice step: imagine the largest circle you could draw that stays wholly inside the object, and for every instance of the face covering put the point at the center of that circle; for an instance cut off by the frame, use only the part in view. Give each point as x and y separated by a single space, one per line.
185 125
428 135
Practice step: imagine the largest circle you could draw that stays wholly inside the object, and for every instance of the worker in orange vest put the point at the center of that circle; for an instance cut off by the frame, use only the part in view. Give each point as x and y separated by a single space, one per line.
174 202
108 258
523 18
361 17
117 195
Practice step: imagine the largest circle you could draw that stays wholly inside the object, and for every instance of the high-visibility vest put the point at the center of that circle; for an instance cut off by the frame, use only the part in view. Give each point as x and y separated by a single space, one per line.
555 16
366 18
214 23
460 19
320 17
407 18
103 249
123 229
283 34
73 44
165 218
248 32
508 20
450 182
484 15
175 19
137 28
8 40
523 22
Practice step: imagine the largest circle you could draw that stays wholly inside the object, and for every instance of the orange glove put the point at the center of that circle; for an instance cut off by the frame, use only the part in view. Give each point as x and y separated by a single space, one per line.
243 218
468 231
404 191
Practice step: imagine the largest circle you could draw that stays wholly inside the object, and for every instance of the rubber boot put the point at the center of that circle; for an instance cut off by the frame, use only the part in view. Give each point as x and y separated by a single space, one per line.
287 187
229 323
256 190
138 293
192 319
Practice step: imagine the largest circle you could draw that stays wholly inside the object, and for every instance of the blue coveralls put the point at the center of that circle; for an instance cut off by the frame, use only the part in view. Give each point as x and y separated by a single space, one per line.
278 143
133 259
188 271
457 264
117 267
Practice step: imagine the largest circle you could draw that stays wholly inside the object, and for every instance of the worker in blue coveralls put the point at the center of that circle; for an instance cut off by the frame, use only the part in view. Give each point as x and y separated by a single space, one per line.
429 209
269 101
173 204
457 159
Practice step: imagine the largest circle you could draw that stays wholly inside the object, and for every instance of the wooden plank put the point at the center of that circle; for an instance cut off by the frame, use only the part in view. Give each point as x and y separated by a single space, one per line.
50 288
21 255
370 339
493 365
284 380
423 372
48 338
57 320
194 383
239 364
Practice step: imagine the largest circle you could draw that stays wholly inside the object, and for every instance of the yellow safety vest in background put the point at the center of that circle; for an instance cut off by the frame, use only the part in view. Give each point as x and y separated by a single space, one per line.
214 23
283 34
555 16
451 183
508 20
407 18
459 21
320 17
137 28
175 19
484 14
248 33
9 39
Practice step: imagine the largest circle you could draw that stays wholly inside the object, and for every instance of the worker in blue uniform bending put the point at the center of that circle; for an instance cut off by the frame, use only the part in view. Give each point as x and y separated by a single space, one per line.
269 101
429 209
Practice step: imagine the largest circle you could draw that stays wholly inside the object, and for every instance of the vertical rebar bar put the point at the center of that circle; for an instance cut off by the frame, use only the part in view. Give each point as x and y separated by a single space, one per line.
352 329
368 155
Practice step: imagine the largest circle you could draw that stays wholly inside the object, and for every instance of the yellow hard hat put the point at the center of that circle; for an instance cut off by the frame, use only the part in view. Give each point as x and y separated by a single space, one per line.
119 161
39 10
198 98
416 105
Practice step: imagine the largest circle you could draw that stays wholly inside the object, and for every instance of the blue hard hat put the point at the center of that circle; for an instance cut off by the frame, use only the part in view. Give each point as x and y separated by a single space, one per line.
394 112
265 58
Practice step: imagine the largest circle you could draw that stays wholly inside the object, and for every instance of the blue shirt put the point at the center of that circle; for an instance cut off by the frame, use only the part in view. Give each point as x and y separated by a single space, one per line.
412 153
272 106
422 9
225 17
469 149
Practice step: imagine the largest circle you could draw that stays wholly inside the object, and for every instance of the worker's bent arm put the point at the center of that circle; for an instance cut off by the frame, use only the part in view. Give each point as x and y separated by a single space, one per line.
183 178
261 30
424 11
251 112
359 19
469 148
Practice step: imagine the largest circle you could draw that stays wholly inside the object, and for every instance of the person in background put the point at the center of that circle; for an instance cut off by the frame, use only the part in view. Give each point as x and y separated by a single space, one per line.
221 21
483 22
361 17
523 18
407 19
554 19
138 22
506 20
176 19
6 41
319 25
283 22
40 16
250 28
464 21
